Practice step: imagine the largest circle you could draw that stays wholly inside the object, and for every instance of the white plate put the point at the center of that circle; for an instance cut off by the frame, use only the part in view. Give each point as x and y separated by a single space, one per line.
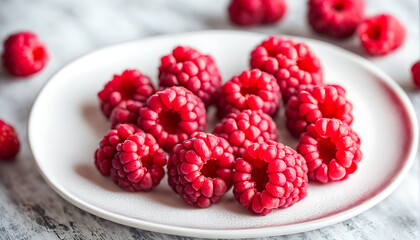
66 125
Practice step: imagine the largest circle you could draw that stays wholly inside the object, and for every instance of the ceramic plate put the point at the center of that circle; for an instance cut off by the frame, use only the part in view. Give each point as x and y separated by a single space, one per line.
66 126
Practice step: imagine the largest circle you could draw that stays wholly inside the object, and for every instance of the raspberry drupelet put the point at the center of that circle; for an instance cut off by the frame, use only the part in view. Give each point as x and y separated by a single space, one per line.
108 146
138 164
253 89
245 128
292 63
415 74
337 18
322 102
172 116
381 34
253 12
9 142
24 54
331 150
200 169
127 111
269 176
130 85
193 70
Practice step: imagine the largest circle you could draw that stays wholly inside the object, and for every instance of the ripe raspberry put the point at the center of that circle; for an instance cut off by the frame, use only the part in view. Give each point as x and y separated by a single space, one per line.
24 54
108 146
322 102
268 176
292 64
252 12
253 89
172 116
331 150
415 72
200 169
9 142
138 163
127 111
245 128
337 18
381 34
130 85
189 68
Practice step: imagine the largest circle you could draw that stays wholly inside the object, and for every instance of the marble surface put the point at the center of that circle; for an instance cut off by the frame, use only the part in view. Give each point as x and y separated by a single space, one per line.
30 209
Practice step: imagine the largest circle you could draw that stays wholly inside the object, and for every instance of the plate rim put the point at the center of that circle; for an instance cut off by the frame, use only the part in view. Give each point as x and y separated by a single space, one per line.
252 232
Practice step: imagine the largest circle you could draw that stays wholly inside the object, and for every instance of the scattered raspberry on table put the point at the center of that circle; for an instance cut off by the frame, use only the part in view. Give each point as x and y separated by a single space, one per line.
245 128
415 73
24 54
331 150
9 142
322 102
253 89
337 18
292 63
172 116
269 176
200 169
253 12
193 70
381 34
130 85
138 164
108 146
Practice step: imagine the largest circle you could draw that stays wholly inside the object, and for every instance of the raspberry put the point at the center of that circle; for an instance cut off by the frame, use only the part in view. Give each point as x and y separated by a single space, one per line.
172 116
130 85
138 163
322 102
245 128
331 150
292 64
269 176
381 34
337 18
24 54
253 89
127 111
252 12
200 169
9 142
415 72
189 68
108 146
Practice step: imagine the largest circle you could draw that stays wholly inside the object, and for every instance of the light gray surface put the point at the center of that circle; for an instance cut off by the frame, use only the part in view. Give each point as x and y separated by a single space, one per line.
29 209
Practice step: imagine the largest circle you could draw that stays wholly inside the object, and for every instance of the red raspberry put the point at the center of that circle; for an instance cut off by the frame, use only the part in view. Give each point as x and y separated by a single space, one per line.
337 18
108 146
189 68
172 116
9 142
252 12
245 128
381 34
415 72
268 176
130 85
200 169
292 64
253 89
322 102
331 150
138 163
127 111
24 54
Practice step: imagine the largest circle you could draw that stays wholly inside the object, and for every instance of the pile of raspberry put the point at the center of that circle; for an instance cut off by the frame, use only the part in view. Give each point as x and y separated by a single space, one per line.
156 127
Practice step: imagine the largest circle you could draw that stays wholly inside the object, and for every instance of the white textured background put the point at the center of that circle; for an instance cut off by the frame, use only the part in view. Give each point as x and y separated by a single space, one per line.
29 209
